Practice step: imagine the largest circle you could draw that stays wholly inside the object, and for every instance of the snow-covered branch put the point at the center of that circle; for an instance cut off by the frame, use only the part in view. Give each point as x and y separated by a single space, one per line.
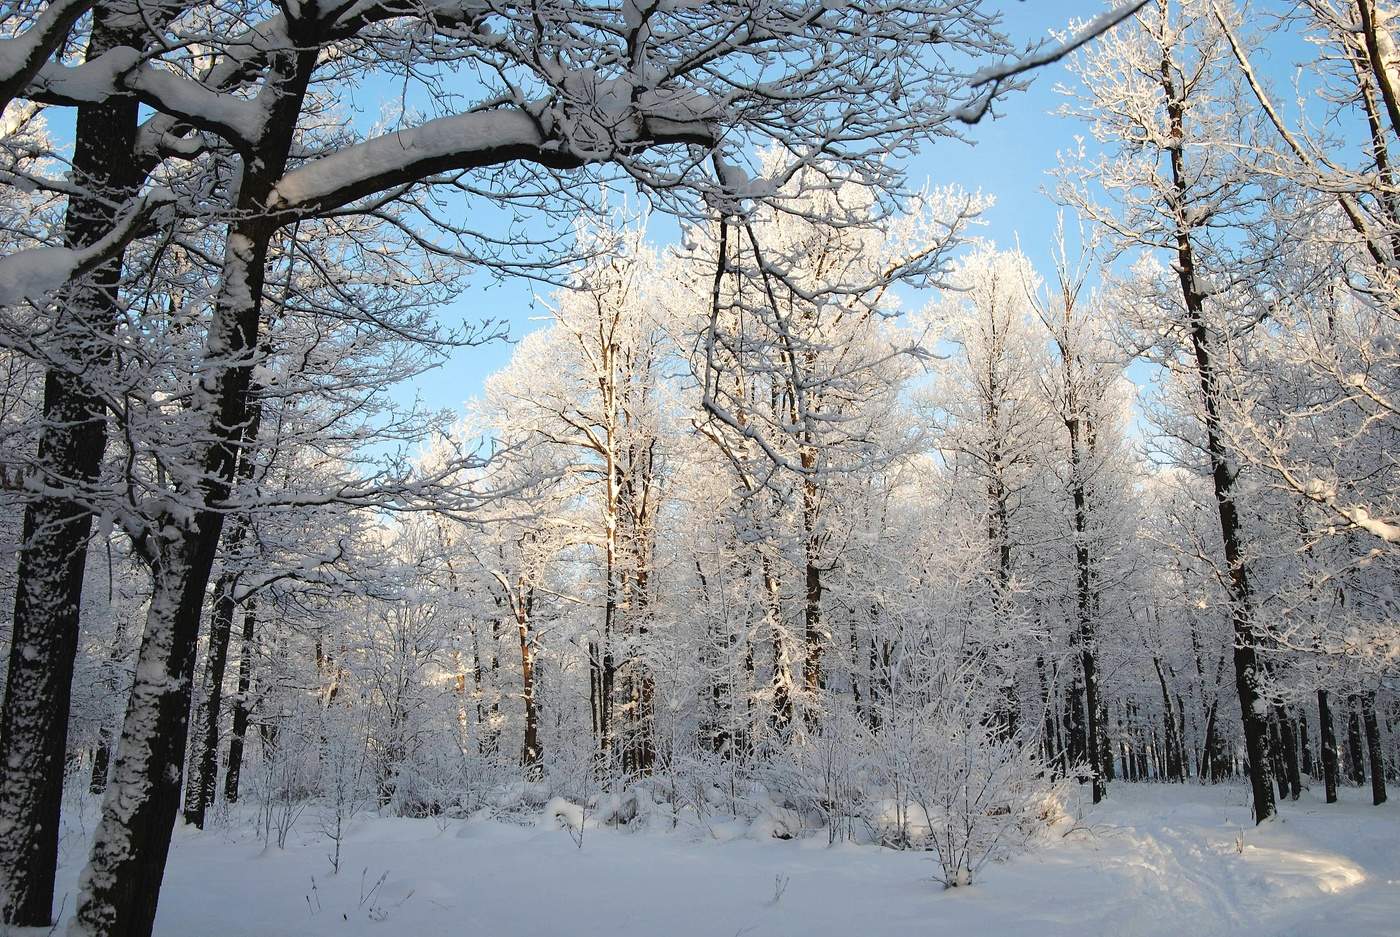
464 142
22 56
33 275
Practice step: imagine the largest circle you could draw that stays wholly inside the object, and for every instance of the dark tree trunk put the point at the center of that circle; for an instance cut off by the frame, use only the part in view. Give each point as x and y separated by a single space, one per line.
1085 597
204 745
1074 726
1173 748
605 664
530 747
1047 729
1327 742
53 551
1128 774
1144 769
814 630
1288 735
239 731
1210 759
782 681
594 709
641 736
101 761
1373 748
1183 747
1276 750
102 757
123 877
1355 755
873 675
1105 746
127 864
1248 672
858 699
1305 745
204 741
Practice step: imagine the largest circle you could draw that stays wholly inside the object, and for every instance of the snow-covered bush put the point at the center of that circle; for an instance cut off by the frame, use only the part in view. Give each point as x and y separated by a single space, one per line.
285 783
958 785
823 776
344 776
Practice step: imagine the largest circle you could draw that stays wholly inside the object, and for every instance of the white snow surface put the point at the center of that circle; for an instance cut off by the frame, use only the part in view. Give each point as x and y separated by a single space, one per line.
1153 860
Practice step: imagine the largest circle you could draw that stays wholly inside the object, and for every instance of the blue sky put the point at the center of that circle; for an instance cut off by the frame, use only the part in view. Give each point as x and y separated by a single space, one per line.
1009 158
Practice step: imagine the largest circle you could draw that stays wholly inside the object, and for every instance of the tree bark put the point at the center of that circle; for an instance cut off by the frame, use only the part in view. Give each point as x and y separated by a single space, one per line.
1306 758
1327 741
1355 754
782 674
203 756
102 757
204 749
1248 672
530 747
1085 603
1172 749
123 876
1373 748
53 551
814 632
1288 735
239 731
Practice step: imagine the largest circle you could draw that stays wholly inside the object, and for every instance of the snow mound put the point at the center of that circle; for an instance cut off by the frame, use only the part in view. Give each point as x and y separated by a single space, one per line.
776 823
561 814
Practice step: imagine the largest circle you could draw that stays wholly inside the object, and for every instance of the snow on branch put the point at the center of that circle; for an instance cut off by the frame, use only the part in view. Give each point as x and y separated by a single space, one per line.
1320 492
32 275
1047 54
462 142
121 69
22 56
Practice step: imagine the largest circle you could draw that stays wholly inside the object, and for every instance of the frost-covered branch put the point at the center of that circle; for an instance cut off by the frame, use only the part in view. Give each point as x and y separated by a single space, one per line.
33 275
22 56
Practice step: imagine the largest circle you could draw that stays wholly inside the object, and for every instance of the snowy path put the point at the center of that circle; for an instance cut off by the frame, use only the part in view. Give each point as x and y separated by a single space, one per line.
1154 861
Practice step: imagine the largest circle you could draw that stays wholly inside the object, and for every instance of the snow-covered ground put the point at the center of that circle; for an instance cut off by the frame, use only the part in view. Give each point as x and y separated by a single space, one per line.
1154 860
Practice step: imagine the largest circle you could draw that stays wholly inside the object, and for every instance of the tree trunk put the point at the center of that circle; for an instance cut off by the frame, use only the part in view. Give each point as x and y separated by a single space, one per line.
1373 748
1327 741
53 551
1074 725
1305 746
1105 746
239 732
530 747
1086 602
1355 755
123 876
1173 748
1047 729
1210 759
1248 673
1289 737
204 743
814 633
782 673
204 749
102 757
124 872
101 761
873 673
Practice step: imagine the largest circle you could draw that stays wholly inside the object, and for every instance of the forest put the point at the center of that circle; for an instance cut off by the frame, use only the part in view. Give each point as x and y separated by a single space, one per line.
818 560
